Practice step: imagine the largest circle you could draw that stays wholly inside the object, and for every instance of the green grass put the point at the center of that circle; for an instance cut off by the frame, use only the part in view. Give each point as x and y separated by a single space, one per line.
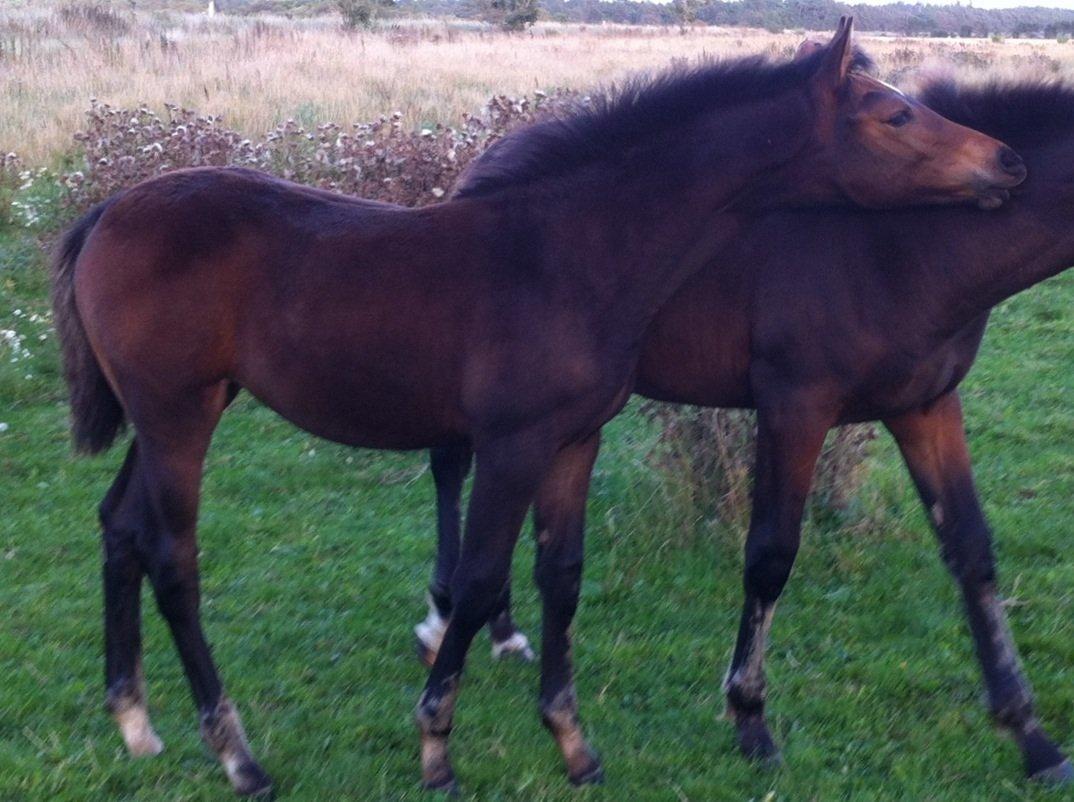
315 559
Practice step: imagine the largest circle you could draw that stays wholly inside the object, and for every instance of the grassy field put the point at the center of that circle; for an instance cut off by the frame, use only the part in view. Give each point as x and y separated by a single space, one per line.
315 557
259 71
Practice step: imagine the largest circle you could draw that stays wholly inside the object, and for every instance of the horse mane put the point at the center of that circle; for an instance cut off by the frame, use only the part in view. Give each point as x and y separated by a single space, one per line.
1020 113
610 123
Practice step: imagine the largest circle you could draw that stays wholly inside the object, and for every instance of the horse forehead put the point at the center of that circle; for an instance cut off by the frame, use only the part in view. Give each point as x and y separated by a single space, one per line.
864 84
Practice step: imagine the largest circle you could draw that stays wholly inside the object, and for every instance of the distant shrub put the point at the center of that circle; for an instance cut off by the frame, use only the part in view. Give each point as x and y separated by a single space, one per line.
94 18
361 13
509 15
706 457
380 160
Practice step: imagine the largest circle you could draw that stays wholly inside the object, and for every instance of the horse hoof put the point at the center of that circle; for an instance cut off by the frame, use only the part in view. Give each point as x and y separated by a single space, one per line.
149 745
770 762
447 786
425 653
1059 774
518 646
594 775
251 781
757 745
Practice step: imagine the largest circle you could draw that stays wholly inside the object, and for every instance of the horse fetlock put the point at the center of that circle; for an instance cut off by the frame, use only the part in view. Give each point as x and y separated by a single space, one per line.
745 692
126 703
560 717
222 730
434 715
430 633
745 683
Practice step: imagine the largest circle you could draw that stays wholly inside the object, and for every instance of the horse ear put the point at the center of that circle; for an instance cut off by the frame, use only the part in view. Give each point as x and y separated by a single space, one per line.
833 71
807 49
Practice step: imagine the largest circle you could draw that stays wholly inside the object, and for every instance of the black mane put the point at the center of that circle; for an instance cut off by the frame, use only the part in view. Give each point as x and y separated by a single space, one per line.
643 107
1022 114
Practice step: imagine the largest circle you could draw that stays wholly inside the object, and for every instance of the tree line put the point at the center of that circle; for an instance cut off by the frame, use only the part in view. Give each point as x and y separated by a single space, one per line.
917 19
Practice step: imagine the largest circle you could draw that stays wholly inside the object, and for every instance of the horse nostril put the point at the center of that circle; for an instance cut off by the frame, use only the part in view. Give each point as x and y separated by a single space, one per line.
1011 161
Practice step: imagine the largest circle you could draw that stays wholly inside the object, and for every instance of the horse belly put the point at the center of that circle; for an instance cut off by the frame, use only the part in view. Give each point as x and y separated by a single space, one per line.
372 400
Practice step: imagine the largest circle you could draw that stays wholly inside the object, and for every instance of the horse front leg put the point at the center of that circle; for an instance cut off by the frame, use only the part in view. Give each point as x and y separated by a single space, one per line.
933 445
508 474
559 517
789 440
449 466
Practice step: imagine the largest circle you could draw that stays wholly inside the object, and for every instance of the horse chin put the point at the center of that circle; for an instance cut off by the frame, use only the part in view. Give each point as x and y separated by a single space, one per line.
992 198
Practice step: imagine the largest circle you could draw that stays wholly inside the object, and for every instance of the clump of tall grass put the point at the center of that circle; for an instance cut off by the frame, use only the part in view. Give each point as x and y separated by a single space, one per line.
10 181
706 457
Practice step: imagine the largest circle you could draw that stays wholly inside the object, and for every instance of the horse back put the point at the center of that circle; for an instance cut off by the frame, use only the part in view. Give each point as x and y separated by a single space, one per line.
305 297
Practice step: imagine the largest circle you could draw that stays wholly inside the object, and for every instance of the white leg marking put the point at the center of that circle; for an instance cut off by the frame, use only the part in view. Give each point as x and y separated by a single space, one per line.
224 733
1002 640
750 678
137 731
431 631
937 514
516 644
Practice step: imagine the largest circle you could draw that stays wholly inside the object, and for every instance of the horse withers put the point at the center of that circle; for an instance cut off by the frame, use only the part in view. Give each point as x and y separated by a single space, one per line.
507 318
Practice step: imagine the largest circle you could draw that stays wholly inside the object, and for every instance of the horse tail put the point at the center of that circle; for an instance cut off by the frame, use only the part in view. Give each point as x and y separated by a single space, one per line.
96 413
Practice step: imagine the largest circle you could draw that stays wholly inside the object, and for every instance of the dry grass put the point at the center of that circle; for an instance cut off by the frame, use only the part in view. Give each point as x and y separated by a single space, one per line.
705 458
257 72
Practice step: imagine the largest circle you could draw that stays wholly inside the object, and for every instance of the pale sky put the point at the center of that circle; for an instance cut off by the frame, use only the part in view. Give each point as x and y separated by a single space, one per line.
986 3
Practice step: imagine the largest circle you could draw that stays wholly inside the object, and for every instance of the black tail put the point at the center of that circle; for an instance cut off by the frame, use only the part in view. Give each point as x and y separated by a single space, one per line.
96 414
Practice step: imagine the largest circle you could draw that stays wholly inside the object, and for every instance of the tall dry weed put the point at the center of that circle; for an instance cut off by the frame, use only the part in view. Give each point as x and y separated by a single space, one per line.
706 459
382 160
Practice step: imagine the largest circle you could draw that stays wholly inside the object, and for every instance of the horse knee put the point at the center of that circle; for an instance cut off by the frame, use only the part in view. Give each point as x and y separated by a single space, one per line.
476 593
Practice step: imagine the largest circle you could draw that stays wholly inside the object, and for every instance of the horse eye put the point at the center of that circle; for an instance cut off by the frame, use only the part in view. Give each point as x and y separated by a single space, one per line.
900 119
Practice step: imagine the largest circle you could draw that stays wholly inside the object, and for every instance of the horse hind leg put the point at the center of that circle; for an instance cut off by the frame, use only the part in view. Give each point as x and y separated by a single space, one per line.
449 466
173 440
122 575
507 639
933 444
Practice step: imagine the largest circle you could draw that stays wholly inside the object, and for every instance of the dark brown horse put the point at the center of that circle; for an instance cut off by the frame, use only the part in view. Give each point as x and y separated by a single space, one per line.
508 319
820 318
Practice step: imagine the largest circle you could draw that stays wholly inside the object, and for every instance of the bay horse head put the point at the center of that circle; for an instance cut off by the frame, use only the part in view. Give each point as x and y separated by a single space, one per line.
883 148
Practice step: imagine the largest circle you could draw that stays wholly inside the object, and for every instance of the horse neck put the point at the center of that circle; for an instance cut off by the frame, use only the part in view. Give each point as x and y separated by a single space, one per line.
674 205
